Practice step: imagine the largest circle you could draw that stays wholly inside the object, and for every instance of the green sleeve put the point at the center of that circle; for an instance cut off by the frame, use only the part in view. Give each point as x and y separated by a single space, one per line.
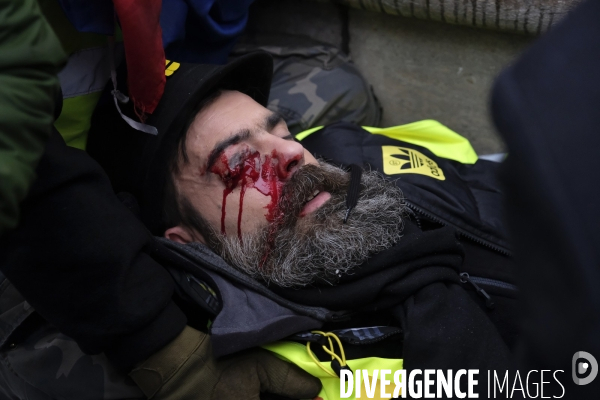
30 58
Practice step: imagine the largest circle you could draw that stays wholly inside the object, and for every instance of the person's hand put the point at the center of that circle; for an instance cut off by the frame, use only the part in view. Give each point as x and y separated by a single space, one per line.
185 369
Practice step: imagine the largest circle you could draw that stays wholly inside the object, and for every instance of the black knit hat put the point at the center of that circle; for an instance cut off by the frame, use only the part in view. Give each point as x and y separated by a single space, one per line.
136 162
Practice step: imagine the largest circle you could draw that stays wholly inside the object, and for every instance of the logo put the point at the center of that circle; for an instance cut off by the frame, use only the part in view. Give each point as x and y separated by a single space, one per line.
427 383
580 367
383 384
402 160
170 67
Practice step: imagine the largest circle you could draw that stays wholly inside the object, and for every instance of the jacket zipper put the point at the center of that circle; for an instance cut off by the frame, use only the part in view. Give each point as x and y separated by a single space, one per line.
476 281
461 232
465 278
495 283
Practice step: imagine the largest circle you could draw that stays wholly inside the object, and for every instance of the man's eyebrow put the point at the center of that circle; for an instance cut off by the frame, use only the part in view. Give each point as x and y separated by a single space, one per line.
222 145
272 121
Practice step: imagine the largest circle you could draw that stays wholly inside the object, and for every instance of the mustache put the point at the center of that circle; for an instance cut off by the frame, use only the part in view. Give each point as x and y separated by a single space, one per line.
304 185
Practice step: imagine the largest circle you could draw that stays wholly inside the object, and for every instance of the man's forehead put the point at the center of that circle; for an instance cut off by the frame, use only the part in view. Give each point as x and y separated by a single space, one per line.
231 118
231 112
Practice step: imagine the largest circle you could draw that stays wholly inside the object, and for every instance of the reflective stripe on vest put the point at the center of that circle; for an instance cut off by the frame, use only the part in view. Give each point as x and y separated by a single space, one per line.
439 139
82 81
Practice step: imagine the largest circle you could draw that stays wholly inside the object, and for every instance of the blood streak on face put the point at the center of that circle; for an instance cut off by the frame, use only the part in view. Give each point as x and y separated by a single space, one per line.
249 173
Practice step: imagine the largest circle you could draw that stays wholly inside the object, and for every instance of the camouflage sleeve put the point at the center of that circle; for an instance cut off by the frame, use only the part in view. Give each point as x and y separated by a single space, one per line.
30 58
314 83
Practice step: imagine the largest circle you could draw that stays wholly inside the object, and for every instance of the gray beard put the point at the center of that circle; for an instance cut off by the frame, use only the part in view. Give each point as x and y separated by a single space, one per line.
320 247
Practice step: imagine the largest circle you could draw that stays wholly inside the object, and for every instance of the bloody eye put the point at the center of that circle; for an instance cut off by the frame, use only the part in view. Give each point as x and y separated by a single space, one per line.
231 173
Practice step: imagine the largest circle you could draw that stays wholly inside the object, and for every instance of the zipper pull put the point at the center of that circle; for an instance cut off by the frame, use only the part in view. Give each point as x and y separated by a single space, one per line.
465 278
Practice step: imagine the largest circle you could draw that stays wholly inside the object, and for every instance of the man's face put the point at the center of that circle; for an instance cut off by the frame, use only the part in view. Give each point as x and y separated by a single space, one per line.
240 156
273 210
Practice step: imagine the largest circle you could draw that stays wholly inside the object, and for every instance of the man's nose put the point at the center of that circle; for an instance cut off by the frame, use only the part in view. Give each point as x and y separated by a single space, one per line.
289 155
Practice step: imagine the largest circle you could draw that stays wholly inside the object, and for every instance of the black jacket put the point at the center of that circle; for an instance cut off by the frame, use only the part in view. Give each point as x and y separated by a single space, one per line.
469 200
414 286
79 258
546 107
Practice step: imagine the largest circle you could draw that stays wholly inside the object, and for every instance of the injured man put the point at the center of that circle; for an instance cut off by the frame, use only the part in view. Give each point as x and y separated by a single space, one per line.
242 185
396 249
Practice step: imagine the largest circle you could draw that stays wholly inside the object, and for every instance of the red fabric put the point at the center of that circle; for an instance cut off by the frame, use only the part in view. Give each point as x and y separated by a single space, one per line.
142 36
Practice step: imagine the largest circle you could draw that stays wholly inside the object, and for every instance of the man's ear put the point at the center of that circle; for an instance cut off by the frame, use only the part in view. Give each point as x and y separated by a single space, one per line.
183 235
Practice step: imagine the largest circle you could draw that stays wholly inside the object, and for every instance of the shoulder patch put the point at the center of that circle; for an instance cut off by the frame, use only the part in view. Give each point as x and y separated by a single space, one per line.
402 160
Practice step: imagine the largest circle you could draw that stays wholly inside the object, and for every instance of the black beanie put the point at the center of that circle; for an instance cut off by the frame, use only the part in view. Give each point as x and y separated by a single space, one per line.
136 162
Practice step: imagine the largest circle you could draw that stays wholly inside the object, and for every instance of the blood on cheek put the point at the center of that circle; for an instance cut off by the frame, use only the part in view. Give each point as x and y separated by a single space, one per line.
249 172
